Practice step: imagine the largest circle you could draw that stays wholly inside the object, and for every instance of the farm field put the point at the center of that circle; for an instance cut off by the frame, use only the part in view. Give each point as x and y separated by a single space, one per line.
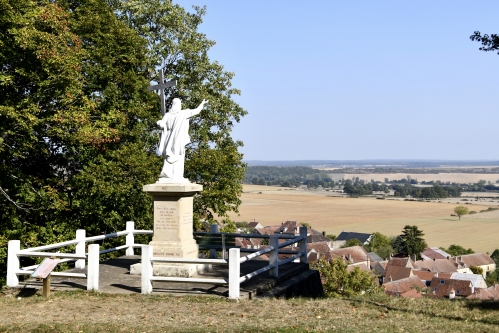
335 214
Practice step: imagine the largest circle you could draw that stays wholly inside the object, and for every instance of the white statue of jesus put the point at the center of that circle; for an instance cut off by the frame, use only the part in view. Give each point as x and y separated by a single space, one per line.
174 138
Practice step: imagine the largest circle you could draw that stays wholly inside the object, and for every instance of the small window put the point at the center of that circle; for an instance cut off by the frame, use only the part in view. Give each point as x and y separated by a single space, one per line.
457 291
435 288
442 281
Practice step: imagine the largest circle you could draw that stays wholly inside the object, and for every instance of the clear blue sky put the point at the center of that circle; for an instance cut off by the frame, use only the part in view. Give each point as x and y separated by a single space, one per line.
359 79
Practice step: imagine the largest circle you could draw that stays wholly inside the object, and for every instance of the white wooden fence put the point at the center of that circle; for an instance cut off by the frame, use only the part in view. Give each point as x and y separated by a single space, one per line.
235 260
14 252
92 257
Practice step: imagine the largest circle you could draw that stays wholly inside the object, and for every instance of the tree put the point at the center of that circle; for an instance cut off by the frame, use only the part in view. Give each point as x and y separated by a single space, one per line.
489 43
380 244
352 242
495 256
476 270
456 250
397 243
412 241
332 237
460 211
76 122
175 45
78 129
337 281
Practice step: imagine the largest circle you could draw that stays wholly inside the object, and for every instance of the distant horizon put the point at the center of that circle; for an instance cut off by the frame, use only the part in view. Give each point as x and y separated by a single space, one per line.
408 163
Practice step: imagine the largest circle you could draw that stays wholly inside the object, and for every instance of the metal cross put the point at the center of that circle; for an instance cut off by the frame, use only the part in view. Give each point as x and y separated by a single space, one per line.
161 87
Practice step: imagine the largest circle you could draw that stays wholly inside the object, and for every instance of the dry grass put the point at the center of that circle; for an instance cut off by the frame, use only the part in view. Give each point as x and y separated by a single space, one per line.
91 312
336 214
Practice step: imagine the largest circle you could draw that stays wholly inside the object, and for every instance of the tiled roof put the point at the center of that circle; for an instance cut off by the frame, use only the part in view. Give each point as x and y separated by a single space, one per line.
289 227
476 259
253 225
437 265
317 238
321 248
244 243
375 257
491 293
266 230
401 262
345 236
397 273
431 253
379 267
482 294
424 275
357 253
441 287
476 280
361 266
411 294
399 287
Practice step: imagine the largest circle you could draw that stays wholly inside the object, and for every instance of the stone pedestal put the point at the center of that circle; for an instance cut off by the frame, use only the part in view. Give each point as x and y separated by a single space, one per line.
172 238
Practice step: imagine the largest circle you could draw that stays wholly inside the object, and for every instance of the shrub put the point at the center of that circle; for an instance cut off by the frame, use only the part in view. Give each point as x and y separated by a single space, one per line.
338 281
472 212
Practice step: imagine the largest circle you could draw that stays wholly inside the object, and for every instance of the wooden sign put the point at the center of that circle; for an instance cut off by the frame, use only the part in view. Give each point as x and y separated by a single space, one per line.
45 268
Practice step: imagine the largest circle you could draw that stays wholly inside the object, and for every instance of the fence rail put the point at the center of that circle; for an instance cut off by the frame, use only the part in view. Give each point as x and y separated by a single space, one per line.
235 260
92 258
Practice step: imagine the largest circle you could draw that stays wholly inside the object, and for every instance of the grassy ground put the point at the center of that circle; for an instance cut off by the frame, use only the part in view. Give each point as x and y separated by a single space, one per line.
93 312
336 214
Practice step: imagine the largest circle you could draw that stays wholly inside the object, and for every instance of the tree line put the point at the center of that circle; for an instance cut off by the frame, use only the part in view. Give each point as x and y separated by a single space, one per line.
287 176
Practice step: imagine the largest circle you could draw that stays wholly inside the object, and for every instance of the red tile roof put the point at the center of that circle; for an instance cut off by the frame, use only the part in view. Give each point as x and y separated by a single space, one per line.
357 254
399 287
397 273
441 287
401 262
437 265
476 259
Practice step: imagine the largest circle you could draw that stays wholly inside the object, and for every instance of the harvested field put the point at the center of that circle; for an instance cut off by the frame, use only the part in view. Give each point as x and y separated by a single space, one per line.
336 214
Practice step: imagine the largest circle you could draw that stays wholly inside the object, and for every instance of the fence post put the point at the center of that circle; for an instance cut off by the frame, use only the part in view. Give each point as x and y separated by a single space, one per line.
234 273
130 239
13 263
146 285
93 267
213 230
303 245
80 247
274 256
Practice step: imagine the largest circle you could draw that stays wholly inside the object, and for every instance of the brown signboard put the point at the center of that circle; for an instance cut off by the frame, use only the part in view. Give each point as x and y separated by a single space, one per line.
45 268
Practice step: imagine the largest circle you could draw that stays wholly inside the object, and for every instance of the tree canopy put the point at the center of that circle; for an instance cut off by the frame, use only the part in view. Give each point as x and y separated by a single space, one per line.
338 281
78 132
380 244
489 43
456 250
460 211
412 241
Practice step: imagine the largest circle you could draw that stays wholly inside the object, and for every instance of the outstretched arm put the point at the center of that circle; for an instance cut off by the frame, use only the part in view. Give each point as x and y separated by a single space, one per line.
196 111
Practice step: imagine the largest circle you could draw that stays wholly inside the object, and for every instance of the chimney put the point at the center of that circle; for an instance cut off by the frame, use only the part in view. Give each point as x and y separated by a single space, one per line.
350 258
368 262
452 294
390 278
324 233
